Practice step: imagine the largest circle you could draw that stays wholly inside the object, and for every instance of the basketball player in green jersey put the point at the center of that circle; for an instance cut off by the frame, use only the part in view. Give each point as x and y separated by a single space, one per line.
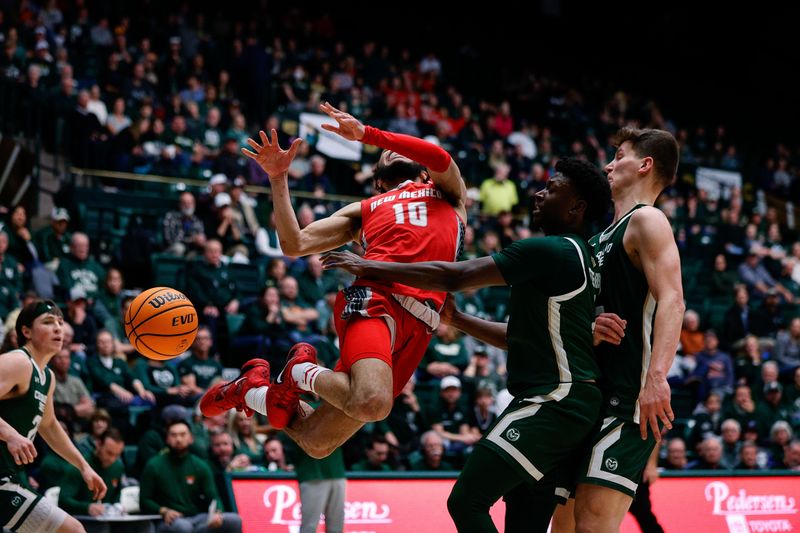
641 299
26 407
551 367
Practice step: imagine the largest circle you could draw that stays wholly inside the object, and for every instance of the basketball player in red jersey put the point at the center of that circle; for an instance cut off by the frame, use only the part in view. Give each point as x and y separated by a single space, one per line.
384 328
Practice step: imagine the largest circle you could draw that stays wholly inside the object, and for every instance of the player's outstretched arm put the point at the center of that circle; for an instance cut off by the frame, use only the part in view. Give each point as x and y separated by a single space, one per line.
15 369
493 333
320 236
432 275
652 240
442 169
58 440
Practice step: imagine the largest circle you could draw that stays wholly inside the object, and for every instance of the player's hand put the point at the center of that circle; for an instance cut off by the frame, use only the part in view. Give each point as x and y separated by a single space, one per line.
21 449
654 405
94 483
347 261
96 509
348 126
448 310
609 327
269 155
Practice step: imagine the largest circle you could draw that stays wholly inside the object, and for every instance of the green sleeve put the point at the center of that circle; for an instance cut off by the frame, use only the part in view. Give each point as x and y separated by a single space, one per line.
147 489
552 264
196 281
65 266
209 487
74 498
185 367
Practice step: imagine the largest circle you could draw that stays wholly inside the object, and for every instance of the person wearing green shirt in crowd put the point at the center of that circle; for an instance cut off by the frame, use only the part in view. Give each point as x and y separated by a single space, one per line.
108 302
199 371
430 457
322 489
180 487
163 382
79 269
377 453
446 354
75 498
52 242
552 372
10 279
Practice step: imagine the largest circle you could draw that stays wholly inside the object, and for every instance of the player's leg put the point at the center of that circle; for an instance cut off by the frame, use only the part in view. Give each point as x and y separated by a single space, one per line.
529 508
485 478
564 518
319 433
600 509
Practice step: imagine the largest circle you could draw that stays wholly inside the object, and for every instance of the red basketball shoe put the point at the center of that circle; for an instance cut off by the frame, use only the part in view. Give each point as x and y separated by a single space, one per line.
225 396
283 396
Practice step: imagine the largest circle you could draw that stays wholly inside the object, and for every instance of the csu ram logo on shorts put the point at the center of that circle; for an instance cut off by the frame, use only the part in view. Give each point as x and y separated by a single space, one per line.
611 464
512 434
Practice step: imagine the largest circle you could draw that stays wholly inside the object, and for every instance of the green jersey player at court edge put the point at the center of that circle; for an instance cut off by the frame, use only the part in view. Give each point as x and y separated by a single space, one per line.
642 302
551 367
26 407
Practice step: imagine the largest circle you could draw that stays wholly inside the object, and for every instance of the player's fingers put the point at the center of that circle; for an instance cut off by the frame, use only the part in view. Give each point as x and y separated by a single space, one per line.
330 127
294 147
264 138
654 427
670 414
617 328
248 153
273 137
254 145
664 420
643 420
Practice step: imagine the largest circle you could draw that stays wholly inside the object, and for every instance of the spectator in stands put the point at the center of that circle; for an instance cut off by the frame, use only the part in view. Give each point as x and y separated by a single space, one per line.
710 455
747 365
201 369
498 193
180 486
87 136
748 457
275 456
75 498
184 233
771 409
787 348
211 288
731 442
483 412
99 423
430 457
245 439
265 320
296 313
71 399
83 324
691 336
758 279
446 354
113 382
276 271
723 280
407 419
792 393
714 371
780 435
707 419
676 455
769 374
53 241
20 243
163 382
10 279
743 408
229 229
223 459
791 456
377 453
740 320
480 374
450 418
108 302
78 269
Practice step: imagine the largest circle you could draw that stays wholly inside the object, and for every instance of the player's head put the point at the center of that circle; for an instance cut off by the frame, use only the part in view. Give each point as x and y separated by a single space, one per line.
393 169
41 323
642 154
575 196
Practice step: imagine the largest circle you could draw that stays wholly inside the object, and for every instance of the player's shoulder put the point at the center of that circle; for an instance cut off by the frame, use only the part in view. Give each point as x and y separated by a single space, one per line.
650 221
14 359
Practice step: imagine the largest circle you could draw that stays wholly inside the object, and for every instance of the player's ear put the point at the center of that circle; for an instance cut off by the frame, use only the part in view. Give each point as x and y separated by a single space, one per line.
646 165
579 207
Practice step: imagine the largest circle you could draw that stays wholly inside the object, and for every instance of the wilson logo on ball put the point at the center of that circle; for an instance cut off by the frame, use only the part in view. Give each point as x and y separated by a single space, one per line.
158 301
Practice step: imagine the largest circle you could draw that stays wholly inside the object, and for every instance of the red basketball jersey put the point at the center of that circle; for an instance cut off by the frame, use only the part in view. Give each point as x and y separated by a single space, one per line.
410 224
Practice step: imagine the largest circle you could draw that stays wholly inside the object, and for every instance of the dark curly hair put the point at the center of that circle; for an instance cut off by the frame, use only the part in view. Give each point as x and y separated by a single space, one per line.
591 185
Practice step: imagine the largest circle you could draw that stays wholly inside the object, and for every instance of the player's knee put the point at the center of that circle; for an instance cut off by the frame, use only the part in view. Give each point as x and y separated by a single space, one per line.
456 503
371 406
590 519
71 525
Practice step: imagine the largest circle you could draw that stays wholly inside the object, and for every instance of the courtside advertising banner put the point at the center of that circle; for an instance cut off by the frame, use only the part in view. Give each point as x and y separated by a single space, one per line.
719 504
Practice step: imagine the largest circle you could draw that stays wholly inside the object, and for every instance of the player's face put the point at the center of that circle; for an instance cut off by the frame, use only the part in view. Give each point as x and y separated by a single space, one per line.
552 204
622 170
47 333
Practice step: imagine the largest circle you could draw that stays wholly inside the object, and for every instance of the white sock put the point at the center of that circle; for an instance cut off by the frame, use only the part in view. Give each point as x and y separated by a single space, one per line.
256 399
305 375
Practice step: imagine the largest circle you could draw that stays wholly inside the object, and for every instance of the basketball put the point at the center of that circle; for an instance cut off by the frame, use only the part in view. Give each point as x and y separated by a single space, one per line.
161 323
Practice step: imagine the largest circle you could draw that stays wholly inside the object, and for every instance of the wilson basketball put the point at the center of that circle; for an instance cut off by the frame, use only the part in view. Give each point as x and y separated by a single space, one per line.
161 323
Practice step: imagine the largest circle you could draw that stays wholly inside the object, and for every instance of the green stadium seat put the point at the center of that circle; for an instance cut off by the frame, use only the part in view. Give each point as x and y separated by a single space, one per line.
249 278
169 271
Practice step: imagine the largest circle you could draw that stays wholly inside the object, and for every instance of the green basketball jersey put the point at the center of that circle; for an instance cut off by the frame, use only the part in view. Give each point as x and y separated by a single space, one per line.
24 414
551 308
624 291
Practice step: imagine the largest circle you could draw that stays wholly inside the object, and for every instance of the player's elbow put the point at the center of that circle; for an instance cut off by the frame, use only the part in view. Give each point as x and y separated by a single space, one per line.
291 248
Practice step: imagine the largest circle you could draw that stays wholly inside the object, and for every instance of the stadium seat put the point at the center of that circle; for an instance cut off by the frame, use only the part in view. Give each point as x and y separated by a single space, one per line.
169 271
249 278
129 456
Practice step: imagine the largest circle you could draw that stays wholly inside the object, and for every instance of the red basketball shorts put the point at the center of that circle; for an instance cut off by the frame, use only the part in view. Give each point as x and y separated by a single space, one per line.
373 325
